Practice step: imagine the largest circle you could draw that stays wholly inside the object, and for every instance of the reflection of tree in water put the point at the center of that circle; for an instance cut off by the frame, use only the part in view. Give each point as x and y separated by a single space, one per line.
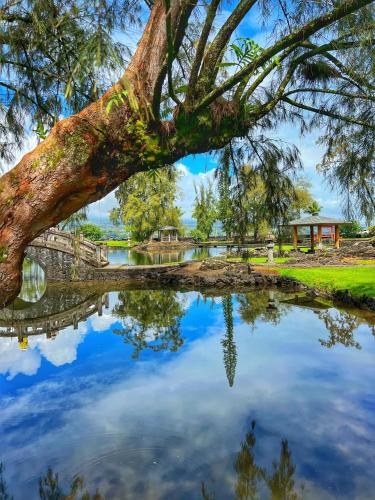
229 346
33 281
50 489
248 472
252 477
280 482
341 327
151 319
256 305
201 253
3 485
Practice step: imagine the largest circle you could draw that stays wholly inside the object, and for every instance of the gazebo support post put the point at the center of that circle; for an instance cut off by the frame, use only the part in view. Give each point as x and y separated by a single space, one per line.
312 237
337 236
295 236
320 237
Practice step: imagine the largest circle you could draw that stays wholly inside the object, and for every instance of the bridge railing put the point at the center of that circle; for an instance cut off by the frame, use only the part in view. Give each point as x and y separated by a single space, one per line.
51 326
86 250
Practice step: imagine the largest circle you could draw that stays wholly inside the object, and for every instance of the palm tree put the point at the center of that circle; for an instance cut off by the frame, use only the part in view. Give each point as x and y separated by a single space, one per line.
313 209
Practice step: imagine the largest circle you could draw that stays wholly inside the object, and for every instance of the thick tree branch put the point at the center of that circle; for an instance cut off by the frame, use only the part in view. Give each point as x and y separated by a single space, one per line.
300 35
353 78
201 48
179 19
214 54
273 65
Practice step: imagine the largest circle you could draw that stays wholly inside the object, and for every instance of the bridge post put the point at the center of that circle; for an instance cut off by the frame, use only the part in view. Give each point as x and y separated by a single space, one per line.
106 300
100 307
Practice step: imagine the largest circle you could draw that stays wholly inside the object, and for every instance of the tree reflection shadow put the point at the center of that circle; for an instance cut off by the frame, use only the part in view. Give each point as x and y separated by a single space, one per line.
251 307
151 319
341 327
252 479
259 306
50 488
228 343
4 495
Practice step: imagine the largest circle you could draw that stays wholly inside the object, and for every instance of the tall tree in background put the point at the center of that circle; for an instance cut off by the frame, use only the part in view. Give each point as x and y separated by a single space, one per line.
176 97
148 203
225 208
250 203
205 209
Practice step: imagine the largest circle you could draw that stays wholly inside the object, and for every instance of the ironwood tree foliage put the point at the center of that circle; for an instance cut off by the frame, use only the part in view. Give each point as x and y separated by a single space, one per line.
204 210
190 87
250 202
55 57
146 204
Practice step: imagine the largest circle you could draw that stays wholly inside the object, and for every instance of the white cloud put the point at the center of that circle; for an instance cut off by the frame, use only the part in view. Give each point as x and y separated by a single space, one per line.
186 186
58 351
14 361
63 348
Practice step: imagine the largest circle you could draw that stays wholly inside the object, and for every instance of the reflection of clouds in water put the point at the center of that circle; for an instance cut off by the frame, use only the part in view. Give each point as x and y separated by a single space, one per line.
102 323
186 299
63 348
157 427
14 361
60 350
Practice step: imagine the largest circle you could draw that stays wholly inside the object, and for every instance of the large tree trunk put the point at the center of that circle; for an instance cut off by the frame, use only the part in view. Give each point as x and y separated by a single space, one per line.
84 158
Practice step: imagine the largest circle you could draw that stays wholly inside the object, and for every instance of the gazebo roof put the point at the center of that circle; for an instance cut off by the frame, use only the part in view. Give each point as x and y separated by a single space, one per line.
315 220
168 228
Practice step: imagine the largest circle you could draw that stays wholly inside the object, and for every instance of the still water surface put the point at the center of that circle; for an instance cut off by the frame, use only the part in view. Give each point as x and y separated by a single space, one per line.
159 394
136 258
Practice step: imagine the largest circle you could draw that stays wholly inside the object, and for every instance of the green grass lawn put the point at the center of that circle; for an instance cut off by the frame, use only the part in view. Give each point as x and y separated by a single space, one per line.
258 260
359 281
287 248
114 243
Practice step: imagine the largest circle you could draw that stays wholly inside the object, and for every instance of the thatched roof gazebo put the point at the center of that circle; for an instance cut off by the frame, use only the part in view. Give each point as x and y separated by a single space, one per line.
320 222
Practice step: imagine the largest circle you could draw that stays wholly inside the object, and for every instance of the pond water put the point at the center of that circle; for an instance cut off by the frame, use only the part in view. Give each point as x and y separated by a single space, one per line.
136 258
161 394
34 282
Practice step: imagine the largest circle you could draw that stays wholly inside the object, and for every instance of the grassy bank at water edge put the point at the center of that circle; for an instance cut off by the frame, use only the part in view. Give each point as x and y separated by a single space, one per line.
358 281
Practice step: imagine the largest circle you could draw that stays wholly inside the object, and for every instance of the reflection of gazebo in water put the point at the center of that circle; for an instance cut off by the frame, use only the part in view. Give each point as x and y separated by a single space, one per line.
166 234
328 231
